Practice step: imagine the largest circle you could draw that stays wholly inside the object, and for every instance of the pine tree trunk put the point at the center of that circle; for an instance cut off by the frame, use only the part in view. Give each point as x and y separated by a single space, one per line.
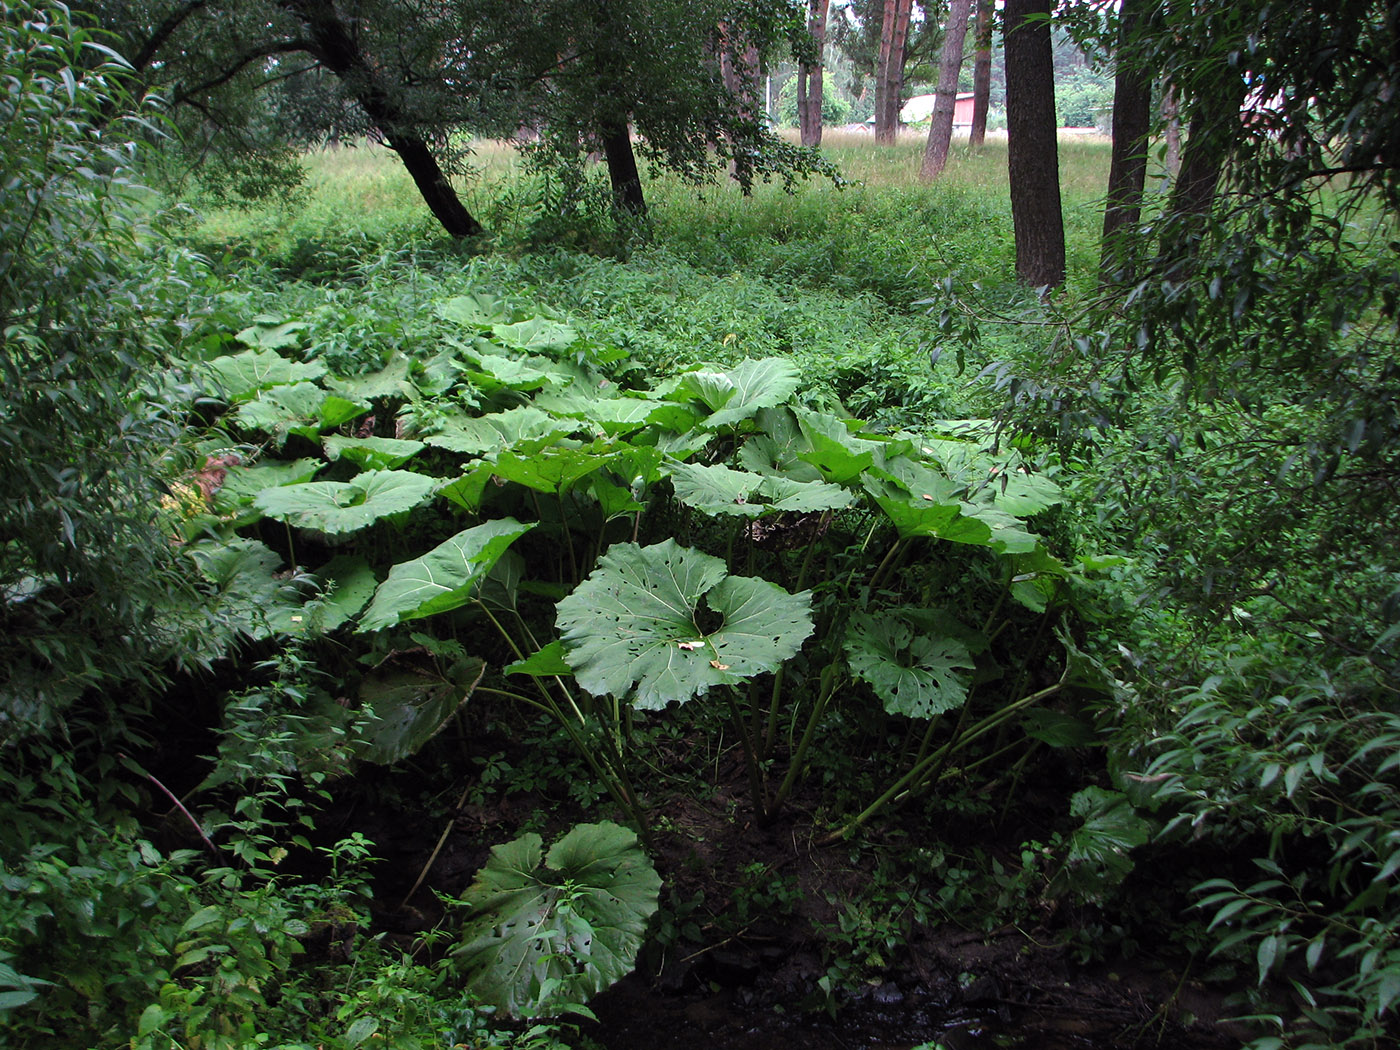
1127 174
981 74
940 129
809 77
895 91
339 51
1033 152
883 132
1171 121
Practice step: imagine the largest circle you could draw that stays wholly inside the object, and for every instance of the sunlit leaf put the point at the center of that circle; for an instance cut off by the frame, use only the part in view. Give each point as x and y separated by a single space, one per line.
240 376
635 624
339 507
738 394
374 453
443 578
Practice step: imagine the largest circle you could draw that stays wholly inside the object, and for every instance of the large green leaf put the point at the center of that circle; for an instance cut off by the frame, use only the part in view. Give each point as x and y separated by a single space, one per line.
738 394
547 934
349 582
299 408
378 453
408 708
443 578
241 376
913 674
250 594
537 333
478 435
339 507
475 308
721 490
635 623
269 333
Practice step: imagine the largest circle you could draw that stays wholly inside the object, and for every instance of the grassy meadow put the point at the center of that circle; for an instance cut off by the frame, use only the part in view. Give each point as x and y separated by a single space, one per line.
836 275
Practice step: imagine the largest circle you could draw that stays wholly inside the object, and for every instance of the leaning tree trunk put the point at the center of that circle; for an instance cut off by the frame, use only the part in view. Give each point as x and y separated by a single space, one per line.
809 77
622 170
981 74
334 46
1127 174
940 129
1032 149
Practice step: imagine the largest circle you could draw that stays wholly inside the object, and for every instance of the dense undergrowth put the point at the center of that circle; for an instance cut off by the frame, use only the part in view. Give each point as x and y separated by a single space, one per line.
630 501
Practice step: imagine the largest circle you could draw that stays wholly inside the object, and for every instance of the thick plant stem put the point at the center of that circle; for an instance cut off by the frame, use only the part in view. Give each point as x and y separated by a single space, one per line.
760 802
910 779
799 758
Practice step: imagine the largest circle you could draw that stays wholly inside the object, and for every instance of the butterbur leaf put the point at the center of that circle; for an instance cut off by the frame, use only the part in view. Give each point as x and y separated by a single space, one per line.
546 933
738 394
721 490
475 308
546 663
409 709
272 335
535 334
1098 850
478 435
349 582
914 674
241 376
339 507
634 626
443 578
373 453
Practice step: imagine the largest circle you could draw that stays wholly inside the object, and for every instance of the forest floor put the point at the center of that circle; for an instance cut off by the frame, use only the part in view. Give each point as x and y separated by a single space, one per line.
753 931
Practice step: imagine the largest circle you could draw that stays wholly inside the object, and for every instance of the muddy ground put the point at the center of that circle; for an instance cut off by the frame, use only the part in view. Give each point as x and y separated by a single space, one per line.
740 977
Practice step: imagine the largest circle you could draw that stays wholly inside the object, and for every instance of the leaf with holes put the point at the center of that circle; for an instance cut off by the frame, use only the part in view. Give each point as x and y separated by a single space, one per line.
641 625
409 709
340 507
913 674
545 934
443 578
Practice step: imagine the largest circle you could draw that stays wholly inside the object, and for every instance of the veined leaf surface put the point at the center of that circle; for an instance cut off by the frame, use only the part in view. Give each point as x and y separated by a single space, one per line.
547 933
443 578
339 507
913 674
633 627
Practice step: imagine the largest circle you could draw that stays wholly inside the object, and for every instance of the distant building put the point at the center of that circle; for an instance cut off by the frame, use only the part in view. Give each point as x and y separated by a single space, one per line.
919 109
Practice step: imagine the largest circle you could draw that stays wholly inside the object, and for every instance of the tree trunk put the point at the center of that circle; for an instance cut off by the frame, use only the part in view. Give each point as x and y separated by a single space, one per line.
334 46
1171 121
1033 152
1127 174
895 91
940 129
622 170
981 74
883 131
809 77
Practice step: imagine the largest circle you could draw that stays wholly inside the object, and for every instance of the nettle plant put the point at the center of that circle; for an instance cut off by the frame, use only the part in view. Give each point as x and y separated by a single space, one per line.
504 504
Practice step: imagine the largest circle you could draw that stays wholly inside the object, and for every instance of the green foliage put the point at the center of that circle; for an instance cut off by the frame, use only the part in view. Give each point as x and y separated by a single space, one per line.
633 627
1306 770
92 594
546 932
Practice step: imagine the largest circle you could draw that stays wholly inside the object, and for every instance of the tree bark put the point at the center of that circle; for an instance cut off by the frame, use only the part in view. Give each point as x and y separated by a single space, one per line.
1127 174
940 129
1033 151
981 74
1171 121
895 91
622 170
810 75
883 132
334 46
